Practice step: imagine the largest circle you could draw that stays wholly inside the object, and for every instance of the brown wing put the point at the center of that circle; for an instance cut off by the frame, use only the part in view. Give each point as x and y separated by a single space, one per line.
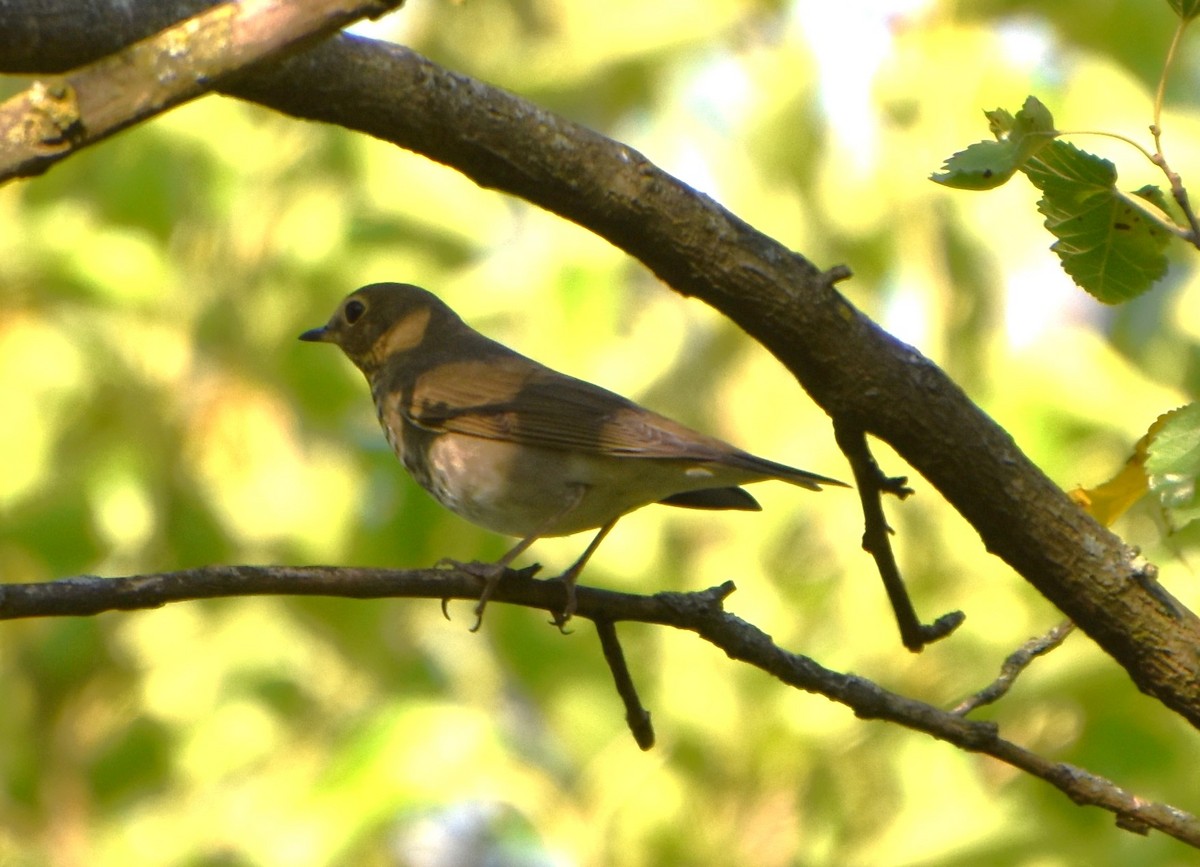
512 398
515 399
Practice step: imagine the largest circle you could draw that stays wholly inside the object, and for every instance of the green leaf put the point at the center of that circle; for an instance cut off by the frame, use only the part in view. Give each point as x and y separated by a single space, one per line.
1000 122
1173 465
1154 195
1110 245
1032 129
1186 9
986 165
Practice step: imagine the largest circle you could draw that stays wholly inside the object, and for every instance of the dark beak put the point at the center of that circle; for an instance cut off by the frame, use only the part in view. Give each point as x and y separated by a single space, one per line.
316 335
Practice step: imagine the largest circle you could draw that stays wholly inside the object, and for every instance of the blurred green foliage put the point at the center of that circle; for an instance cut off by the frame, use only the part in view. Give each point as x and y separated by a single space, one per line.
159 413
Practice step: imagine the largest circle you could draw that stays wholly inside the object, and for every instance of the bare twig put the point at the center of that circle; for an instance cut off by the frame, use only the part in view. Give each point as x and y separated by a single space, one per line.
51 120
1014 664
636 716
872 484
702 612
1178 190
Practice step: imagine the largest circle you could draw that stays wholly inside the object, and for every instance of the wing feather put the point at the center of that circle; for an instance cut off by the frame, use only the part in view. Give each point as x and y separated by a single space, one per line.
517 400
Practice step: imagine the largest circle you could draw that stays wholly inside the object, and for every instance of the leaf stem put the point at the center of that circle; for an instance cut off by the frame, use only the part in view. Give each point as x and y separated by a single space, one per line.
1178 190
1122 138
1160 94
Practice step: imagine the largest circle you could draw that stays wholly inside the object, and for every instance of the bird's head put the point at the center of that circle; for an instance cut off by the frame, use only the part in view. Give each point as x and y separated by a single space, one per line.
382 320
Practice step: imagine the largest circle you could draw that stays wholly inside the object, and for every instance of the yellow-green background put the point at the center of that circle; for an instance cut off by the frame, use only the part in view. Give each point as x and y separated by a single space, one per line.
157 412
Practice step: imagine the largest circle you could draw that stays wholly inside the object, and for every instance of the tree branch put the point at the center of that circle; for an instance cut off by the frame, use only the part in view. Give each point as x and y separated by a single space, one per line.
50 121
702 613
1014 664
872 484
636 716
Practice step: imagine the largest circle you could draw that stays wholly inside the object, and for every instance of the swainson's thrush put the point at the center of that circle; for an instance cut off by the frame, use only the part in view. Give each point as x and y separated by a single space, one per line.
521 449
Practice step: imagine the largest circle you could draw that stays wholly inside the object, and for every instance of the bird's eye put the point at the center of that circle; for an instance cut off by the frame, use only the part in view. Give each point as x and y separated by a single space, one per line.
354 310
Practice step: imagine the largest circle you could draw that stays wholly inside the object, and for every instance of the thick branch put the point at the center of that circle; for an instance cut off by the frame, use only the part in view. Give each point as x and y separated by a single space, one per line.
858 373
56 35
702 613
50 121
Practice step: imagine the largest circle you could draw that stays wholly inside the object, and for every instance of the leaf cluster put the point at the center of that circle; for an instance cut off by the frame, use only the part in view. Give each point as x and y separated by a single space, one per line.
1113 244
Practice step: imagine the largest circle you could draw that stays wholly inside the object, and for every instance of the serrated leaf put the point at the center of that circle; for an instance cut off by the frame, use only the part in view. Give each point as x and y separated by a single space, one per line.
1032 129
1154 195
1173 464
1065 169
984 165
1109 245
1186 9
1000 122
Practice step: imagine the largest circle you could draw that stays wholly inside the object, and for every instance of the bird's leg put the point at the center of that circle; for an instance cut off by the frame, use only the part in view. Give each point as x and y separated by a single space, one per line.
569 577
488 573
491 573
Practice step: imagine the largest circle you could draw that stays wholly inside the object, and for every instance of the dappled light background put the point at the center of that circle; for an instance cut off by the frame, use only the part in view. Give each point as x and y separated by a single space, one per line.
159 413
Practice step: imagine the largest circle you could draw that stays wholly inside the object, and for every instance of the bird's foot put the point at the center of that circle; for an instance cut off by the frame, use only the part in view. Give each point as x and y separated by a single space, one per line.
568 610
490 574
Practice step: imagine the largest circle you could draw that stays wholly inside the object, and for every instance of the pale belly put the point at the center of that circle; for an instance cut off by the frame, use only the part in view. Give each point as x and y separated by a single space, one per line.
523 491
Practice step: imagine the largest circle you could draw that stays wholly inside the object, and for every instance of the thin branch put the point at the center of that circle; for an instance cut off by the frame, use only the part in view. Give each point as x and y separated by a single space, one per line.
872 484
1014 664
702 613
1178 190
636 716
1160 92
52 120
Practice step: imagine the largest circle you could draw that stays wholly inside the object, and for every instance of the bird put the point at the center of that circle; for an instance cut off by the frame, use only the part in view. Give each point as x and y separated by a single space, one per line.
518 448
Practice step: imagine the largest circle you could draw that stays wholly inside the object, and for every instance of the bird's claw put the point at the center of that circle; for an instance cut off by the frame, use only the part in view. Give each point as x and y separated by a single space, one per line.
490 574
561 619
